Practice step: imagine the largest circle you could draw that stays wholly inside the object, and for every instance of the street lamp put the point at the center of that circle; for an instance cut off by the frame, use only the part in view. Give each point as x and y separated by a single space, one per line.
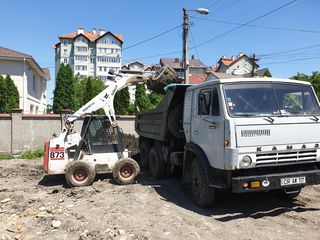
186 25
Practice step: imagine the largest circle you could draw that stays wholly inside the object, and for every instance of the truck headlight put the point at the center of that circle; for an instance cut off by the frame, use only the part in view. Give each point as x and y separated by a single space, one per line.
246 161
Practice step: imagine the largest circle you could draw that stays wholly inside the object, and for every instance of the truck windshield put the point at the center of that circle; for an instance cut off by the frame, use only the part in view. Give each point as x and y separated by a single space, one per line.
270 99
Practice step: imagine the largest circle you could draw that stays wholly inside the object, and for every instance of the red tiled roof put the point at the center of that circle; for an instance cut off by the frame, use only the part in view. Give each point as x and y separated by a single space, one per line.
12 53
88 35
228 61
197 78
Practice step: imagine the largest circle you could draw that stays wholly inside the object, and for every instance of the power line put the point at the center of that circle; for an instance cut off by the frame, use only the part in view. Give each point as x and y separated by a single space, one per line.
194 44
290 50
293 60
247 23
151 38
257 26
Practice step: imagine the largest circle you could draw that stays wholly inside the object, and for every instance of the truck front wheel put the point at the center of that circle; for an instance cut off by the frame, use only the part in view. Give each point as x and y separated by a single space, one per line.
157 168
202 194
80 174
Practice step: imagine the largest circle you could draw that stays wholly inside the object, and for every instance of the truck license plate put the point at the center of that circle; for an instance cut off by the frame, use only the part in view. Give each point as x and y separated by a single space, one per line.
292 181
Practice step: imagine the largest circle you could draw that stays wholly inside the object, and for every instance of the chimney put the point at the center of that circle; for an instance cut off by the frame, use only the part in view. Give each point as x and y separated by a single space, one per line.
176 60
80 30
241 54
101 31
192 57
94 31
233 58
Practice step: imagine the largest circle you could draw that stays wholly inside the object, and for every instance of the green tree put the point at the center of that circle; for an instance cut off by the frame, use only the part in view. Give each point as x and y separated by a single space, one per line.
142 101
85 89
155 99
88 93
122 102
12 93
3 95
314 79
63 95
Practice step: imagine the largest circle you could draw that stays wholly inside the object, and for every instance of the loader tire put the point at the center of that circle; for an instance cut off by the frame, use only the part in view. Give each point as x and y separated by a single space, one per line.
125 171
144 154
157 167
202 194
175 121
80 174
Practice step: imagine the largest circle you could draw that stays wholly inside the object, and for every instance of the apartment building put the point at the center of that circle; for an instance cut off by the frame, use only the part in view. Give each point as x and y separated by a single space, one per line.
89 53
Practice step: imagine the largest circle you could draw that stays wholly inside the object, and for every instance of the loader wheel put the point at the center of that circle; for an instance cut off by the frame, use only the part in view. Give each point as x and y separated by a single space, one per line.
144 154
157 167
202 193
80 174
125 171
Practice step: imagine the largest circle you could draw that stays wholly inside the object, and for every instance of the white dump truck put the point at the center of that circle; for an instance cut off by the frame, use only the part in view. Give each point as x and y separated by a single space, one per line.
242 134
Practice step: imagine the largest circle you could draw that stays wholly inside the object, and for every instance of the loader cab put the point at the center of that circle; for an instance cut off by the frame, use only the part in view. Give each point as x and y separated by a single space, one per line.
99 136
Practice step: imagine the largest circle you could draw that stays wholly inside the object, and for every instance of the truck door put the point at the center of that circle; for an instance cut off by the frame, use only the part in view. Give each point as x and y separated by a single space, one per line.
207 128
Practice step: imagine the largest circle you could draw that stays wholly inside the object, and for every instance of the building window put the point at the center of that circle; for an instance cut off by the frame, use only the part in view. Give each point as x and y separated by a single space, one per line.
34 83
65 42
81 67
65 60
81 58
65 51
109 59
82 49
103 78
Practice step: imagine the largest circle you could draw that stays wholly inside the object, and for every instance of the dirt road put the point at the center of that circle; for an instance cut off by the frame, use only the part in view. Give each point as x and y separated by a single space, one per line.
33 206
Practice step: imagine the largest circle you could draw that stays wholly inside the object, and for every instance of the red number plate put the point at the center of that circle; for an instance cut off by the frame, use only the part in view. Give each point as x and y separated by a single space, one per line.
56 153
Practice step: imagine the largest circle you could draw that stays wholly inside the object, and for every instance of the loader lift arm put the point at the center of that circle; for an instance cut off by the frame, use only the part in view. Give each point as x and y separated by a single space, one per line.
115 83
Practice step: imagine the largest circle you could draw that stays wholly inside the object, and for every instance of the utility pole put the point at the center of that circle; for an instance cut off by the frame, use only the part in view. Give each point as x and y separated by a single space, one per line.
253 60
185 55
186 26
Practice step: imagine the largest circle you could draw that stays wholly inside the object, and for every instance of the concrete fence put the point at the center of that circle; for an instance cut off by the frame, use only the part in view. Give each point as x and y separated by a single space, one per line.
23 132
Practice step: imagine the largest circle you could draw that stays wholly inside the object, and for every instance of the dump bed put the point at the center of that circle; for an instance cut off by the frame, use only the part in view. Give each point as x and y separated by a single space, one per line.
153 124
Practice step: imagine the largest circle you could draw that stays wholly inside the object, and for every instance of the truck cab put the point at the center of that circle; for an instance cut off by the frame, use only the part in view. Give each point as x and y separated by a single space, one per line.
256 134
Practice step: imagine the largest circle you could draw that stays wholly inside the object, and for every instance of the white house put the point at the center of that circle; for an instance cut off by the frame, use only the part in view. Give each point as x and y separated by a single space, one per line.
28 76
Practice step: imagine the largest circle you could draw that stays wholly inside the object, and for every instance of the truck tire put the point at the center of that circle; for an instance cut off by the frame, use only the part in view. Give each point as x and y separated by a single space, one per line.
80 174
144 154
175 121
202 194
125 171
288 194
157 167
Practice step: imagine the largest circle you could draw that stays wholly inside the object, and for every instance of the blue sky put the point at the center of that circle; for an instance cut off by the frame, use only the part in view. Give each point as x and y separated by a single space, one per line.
33 27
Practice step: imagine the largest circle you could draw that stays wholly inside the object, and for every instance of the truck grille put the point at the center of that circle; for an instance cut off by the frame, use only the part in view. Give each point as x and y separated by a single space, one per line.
285 157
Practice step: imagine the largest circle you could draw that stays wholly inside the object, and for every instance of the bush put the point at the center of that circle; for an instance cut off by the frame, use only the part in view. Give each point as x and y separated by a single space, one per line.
6 156
32 154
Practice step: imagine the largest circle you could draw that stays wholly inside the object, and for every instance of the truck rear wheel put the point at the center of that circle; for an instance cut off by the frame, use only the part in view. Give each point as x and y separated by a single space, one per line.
202 194
144 154
125 171
157 168
80 174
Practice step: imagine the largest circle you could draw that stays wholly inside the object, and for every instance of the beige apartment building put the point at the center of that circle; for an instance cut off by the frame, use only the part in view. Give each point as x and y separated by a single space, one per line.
89 53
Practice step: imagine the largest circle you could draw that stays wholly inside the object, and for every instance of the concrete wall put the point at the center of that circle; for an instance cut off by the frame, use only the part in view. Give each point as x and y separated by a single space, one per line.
23 132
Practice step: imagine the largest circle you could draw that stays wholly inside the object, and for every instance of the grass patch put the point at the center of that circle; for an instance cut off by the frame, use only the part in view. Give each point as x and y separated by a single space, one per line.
32 154
6 156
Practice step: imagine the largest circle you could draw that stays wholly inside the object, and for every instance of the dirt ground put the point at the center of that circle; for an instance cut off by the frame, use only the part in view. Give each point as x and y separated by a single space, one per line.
35 206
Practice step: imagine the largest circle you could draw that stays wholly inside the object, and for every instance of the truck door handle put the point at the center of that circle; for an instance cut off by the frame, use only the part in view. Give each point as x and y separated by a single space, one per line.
213 125
195 132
